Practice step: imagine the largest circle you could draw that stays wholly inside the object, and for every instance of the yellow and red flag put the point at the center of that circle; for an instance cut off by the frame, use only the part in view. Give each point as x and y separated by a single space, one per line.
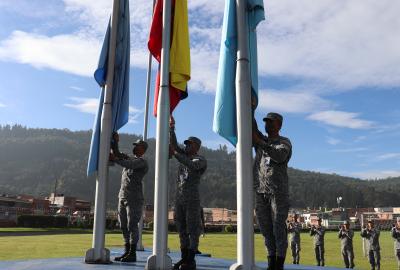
179 66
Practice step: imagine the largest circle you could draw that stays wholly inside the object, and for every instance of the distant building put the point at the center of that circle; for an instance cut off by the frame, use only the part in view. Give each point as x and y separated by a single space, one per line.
39 206
148 213
68 205
396 210
11 208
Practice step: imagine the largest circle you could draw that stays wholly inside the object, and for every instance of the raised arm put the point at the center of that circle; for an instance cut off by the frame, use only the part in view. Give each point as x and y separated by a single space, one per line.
172 136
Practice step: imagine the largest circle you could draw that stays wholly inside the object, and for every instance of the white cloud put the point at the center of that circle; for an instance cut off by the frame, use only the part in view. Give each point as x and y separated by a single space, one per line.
134 114
377 174
341 119
2 105
90 105
350 150
85 105
77 88
333 141
360 138
388 156
336 45
74 54
290 101
345 44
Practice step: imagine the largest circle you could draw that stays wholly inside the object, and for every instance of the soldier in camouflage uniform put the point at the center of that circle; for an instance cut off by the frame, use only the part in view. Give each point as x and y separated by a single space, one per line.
374 250
396 237
271 187
130 205
319 233
294 229
346 242
187 199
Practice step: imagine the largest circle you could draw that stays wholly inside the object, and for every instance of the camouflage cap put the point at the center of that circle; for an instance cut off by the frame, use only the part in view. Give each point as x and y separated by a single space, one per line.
142 143
273 116
193 139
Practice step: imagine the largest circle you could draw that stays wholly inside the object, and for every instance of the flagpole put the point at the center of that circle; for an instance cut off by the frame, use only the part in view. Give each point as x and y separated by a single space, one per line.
245 197
159 260
99 254
139 245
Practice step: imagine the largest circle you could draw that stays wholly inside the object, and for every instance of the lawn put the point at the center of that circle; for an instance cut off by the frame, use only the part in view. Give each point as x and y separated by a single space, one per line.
219 245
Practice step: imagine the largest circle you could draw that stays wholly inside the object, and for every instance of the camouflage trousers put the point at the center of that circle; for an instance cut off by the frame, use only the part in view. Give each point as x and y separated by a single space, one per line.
375 258
320 254
348 257
188 224
397 251
129 214
272 212
295 247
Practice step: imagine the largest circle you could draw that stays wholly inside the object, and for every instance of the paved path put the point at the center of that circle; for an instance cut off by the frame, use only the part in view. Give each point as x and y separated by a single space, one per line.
203 263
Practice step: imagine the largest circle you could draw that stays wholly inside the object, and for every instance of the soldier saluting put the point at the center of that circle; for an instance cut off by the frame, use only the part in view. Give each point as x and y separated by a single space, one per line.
346 242
187 198
271 187
396 237
130 204
294 229
372 235
319 244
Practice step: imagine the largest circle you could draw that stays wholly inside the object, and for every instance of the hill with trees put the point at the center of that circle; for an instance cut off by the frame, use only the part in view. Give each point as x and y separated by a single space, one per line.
35 161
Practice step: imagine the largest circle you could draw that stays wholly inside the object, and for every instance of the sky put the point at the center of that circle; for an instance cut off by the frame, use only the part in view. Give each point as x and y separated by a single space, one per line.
331 68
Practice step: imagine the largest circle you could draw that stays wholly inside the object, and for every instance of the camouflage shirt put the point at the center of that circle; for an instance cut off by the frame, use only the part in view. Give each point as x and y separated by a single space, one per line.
132 175
270 165
189 172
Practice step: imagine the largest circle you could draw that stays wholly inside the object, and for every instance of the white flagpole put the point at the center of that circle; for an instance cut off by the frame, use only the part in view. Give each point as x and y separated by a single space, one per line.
245 237
99 254
160 260
139 245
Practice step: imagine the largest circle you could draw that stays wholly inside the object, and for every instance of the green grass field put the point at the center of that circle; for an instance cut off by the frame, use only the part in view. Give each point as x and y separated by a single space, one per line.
219 245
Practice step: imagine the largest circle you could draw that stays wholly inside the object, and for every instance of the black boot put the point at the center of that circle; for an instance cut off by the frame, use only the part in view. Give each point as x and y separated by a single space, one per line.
184 255
131 256
127 246
190 263
271 263
280 261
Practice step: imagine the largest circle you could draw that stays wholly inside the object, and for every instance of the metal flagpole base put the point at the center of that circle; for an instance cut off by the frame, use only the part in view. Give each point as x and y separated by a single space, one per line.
103 259
152 263
237 266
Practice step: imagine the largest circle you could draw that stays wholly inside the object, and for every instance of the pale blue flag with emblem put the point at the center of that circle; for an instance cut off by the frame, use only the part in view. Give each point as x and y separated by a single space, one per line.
120 88
225 99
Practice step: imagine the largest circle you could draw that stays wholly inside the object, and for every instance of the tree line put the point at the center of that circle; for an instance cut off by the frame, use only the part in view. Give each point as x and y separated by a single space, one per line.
35 161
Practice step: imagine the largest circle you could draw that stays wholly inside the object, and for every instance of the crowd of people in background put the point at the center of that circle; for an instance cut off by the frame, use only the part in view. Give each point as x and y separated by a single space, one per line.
369 232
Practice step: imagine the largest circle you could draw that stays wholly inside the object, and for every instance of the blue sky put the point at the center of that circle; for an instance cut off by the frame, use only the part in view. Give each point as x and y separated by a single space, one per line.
330 67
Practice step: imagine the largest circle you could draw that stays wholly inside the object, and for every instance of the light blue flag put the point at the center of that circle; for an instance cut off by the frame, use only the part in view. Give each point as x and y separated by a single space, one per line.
120 89
225 98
